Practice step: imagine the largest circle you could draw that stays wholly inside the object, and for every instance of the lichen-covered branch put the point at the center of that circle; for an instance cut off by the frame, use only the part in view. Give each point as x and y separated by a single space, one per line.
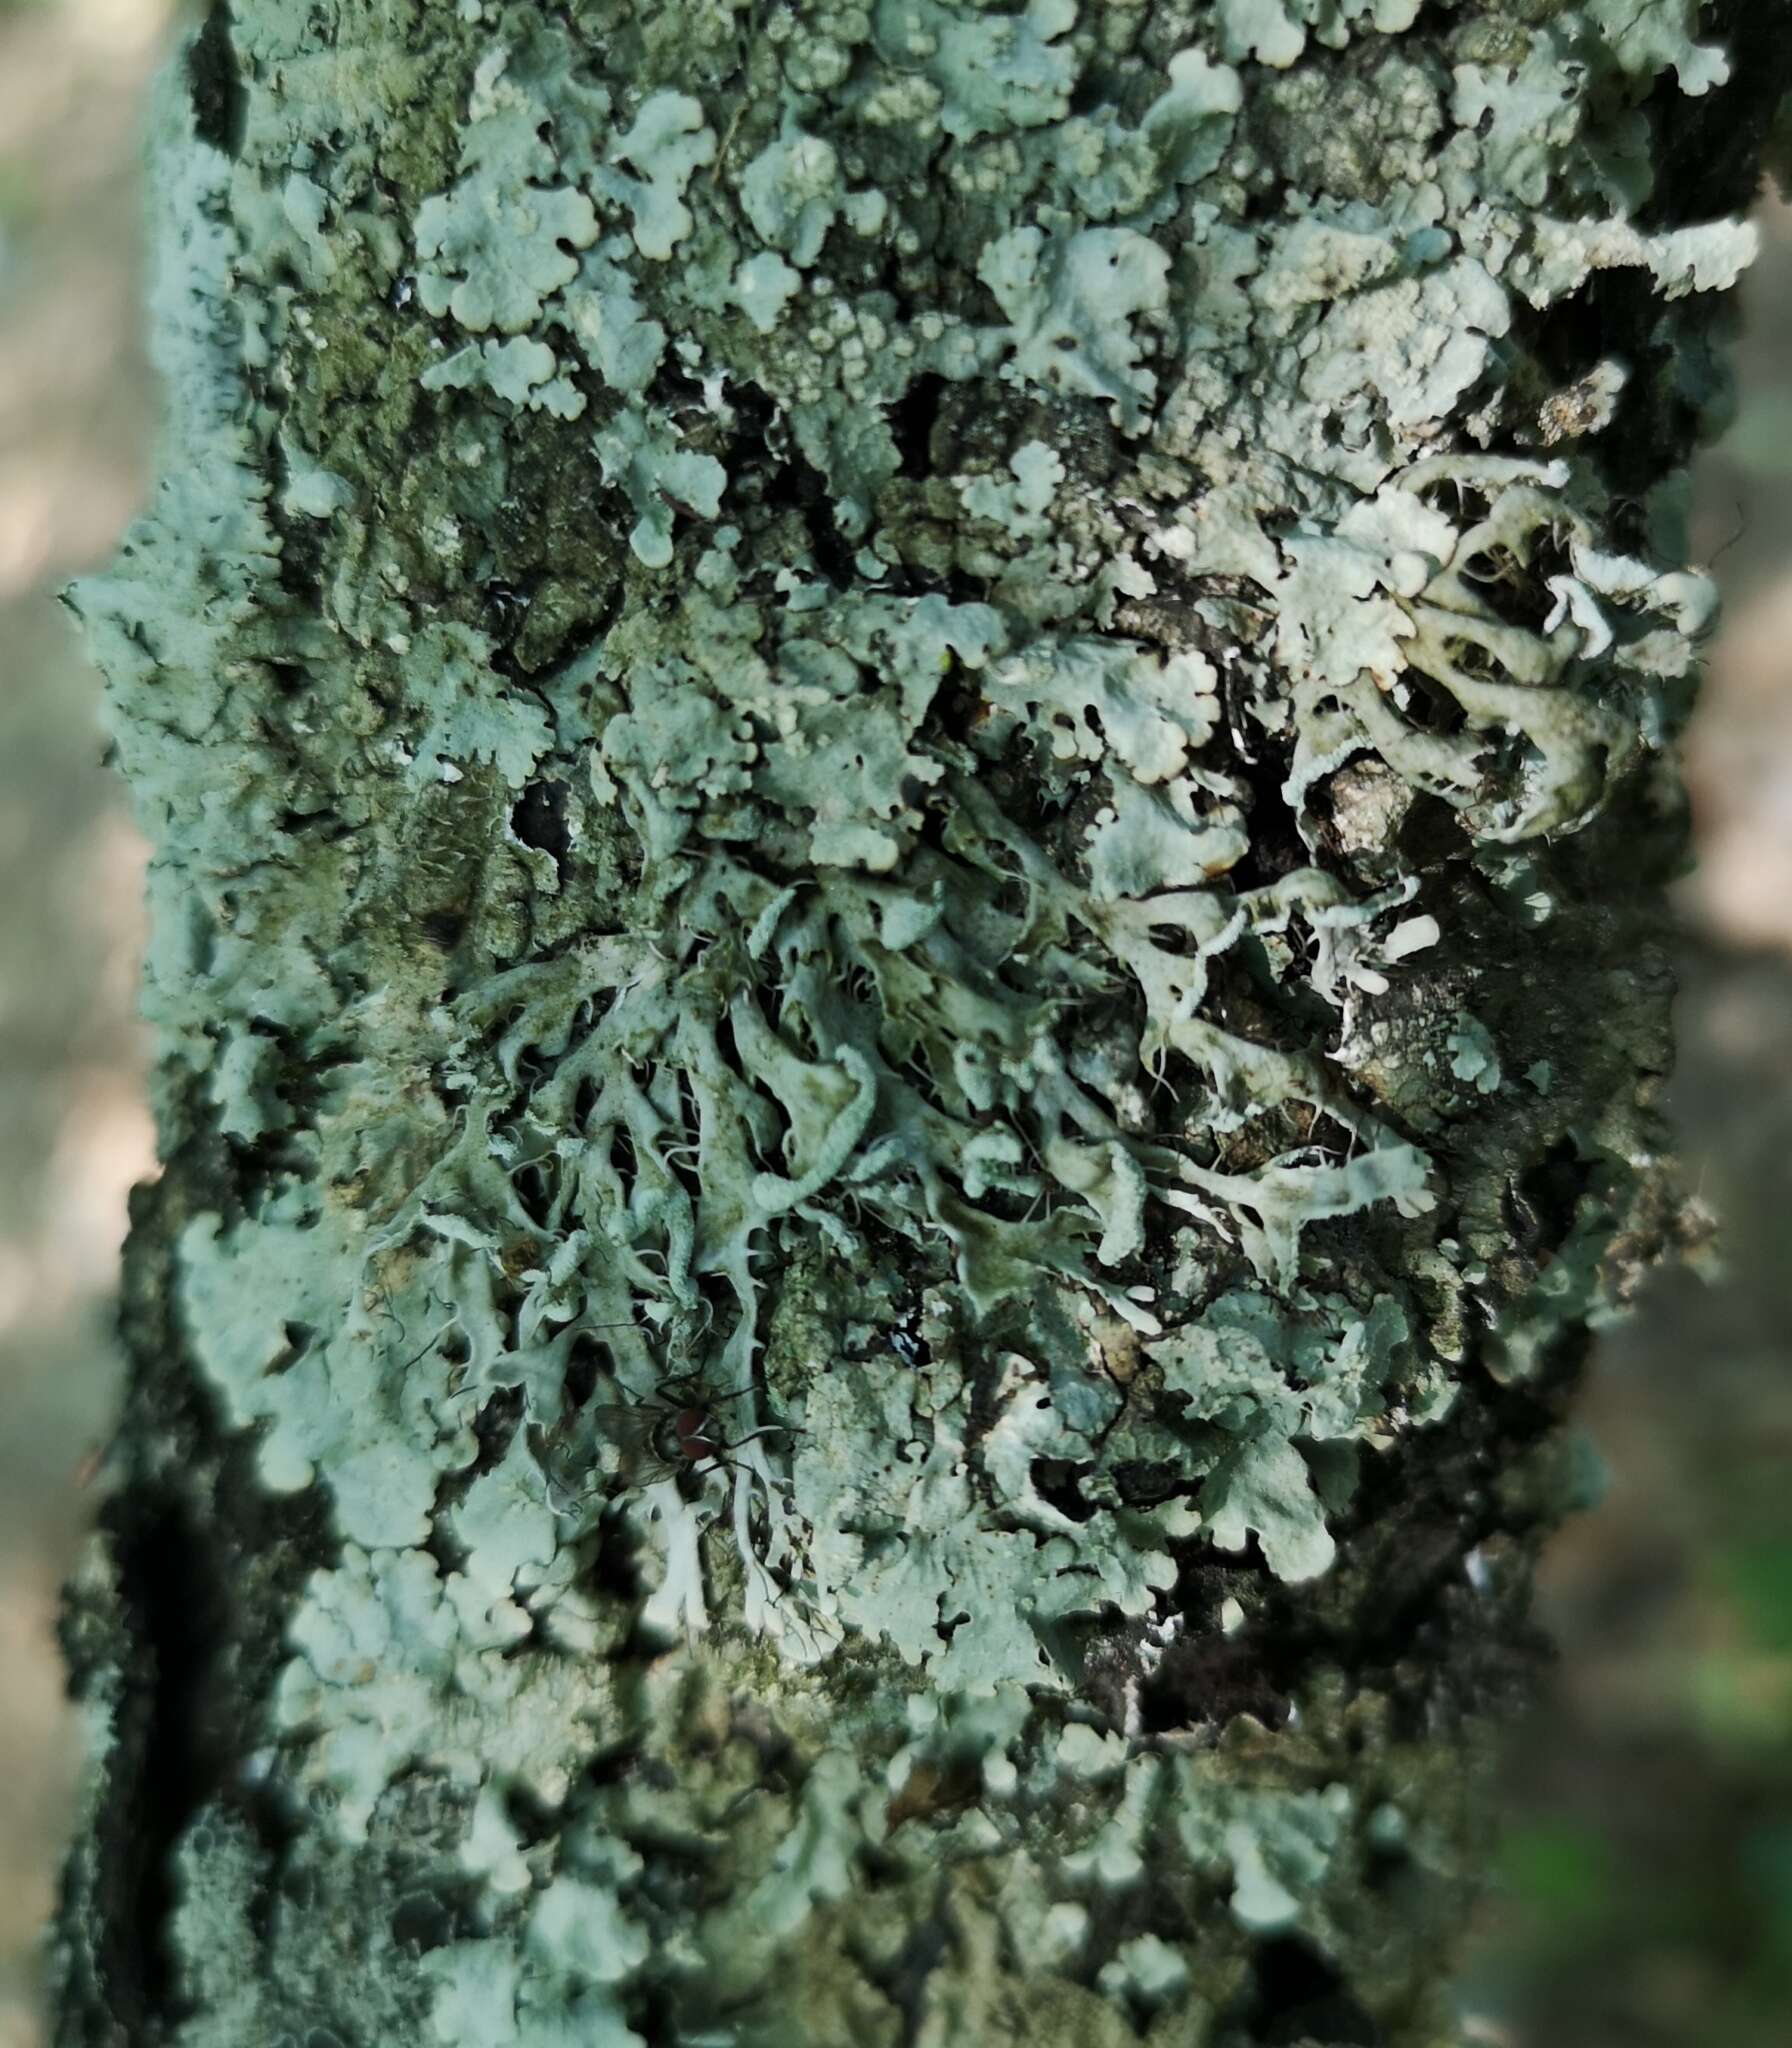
908 771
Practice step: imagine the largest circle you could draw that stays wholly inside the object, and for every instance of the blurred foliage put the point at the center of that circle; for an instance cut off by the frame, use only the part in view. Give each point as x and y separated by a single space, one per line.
74 411
1762 441
1561 1868
1646 1878
1753 1577
1646 1882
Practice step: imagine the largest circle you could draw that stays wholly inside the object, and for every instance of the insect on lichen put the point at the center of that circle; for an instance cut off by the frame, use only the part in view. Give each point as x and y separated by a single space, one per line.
675 1432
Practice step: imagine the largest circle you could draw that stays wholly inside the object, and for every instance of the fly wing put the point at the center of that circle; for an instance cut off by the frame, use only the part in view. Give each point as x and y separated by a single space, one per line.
633 1429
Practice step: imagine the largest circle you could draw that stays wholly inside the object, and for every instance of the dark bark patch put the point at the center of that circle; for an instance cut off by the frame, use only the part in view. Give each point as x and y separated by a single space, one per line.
538 818
1300 1997
443 929
220 104
799 484
1210 1678
169 1578
911 421
1057 1481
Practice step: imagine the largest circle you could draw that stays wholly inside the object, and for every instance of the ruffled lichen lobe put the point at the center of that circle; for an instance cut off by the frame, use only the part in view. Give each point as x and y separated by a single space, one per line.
908 774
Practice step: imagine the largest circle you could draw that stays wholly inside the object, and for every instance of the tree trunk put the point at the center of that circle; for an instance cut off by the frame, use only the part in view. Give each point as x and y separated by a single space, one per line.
907 771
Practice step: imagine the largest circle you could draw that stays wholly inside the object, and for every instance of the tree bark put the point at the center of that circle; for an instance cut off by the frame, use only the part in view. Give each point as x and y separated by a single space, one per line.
910 777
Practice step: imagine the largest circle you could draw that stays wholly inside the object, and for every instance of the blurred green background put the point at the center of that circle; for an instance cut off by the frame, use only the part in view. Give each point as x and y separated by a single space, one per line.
1646 1882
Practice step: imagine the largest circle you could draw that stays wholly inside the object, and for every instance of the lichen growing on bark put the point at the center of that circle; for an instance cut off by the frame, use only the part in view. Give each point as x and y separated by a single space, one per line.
901 727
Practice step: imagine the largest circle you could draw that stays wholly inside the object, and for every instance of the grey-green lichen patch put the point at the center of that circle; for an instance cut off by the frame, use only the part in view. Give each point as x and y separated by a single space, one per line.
989 73
665 143
463 719
856 722
1275 31
493 253
791 192
519 371
763 286
400 1667
1474 1057
1649 37
1072 300
661 479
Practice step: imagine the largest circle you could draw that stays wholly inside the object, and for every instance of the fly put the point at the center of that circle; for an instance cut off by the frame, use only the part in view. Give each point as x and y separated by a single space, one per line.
674 1430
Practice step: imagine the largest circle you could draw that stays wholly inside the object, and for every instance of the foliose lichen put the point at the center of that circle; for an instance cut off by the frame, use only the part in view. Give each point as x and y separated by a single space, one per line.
852 720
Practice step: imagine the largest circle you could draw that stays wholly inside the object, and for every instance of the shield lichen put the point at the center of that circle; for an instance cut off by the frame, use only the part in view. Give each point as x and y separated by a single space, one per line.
863 709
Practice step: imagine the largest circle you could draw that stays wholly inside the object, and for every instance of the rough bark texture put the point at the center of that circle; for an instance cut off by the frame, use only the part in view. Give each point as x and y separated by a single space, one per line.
906 764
